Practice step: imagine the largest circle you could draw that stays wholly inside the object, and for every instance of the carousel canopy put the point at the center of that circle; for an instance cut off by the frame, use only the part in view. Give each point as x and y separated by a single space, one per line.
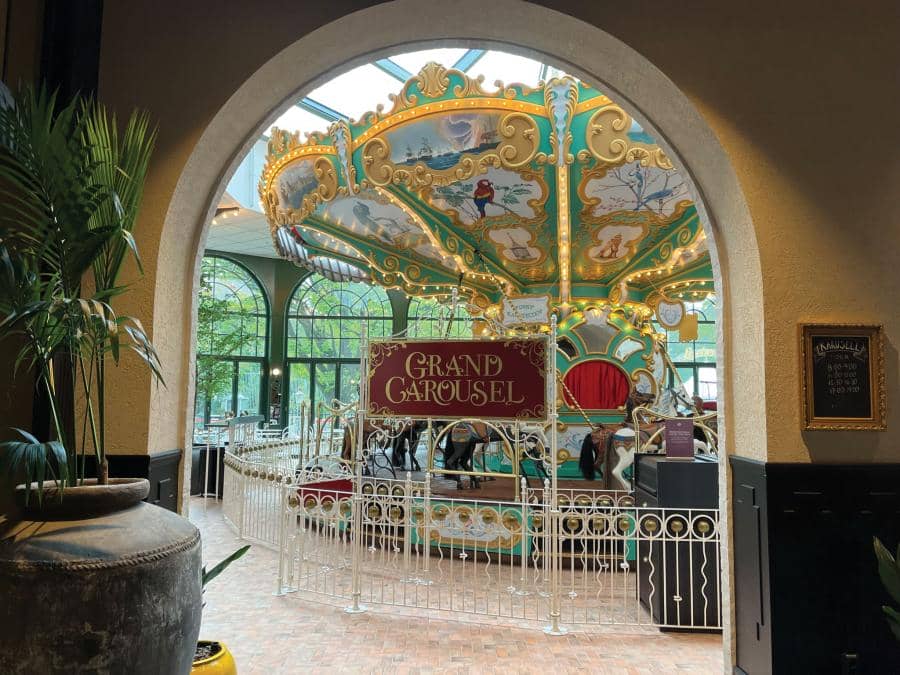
498 191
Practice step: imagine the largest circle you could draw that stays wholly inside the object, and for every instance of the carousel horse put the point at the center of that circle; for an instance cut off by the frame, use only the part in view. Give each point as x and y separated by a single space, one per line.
382 437
407 440
460 445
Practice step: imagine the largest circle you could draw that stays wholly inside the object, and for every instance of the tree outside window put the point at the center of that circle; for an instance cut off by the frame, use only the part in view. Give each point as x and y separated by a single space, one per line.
427 318
232 332
325 320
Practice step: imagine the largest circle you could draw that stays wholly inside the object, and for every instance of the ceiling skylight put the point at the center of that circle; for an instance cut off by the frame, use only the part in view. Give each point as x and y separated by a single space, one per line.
357 91
296 118
413 61
509 68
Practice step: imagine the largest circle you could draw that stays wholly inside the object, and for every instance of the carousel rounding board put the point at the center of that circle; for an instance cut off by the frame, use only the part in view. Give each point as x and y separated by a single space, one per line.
842 377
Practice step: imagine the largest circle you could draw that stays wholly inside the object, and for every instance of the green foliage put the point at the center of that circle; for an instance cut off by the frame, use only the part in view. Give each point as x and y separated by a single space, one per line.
215 338
889 571
70 190
37 460
207 576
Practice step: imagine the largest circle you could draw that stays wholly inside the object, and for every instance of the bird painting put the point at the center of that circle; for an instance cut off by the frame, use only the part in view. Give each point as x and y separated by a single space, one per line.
483 195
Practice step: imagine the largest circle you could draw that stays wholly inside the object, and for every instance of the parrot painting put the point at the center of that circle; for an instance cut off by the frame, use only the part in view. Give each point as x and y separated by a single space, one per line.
483 195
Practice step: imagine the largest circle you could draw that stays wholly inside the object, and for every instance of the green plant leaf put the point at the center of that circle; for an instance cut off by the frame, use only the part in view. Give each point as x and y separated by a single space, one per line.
893 620
71 184
888 570
206 577
36 460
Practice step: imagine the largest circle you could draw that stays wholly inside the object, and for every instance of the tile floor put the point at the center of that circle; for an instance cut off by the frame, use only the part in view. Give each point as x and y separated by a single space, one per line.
269 634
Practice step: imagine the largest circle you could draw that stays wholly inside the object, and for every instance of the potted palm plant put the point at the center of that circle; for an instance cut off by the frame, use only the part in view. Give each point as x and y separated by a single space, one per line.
120 578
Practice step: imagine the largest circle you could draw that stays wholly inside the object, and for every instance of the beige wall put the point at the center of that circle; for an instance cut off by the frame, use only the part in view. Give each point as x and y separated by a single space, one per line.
803 100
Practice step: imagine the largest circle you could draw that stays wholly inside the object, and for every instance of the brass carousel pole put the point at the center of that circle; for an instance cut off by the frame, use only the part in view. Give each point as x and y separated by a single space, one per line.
555 515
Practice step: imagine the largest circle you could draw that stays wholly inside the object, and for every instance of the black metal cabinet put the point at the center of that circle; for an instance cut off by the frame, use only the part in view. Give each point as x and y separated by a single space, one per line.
678 581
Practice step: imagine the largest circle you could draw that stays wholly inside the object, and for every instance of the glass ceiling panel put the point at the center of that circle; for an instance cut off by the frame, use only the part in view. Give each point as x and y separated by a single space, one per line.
510 68
413 61
357 91
295 118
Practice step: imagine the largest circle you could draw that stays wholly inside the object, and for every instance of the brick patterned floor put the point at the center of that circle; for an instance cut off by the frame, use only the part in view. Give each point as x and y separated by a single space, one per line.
269 634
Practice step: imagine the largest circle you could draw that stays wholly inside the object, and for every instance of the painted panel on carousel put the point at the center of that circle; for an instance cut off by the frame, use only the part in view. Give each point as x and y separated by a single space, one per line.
295 183
633 187
614 242
370 214
516 246
497 195
440 141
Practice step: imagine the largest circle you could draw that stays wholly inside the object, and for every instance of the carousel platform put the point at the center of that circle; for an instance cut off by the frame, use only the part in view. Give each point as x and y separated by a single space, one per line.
499 489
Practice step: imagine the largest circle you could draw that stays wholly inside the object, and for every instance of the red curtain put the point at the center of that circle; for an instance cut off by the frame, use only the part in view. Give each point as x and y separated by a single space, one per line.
597 385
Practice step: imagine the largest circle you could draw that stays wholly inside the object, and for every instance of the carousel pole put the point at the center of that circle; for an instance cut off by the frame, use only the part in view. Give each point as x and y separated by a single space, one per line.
454 299
555 516
357 504
426 514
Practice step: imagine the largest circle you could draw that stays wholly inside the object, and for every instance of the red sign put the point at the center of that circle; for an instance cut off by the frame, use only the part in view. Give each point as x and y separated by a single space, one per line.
453 379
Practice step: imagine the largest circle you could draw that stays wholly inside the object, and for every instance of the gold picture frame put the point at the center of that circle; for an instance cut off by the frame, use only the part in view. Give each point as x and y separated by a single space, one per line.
842 378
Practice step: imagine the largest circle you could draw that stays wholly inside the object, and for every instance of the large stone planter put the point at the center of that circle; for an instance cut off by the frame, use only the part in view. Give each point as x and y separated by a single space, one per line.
101 583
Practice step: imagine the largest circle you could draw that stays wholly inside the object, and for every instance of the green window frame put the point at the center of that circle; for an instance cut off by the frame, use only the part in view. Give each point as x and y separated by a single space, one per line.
323 329
236 335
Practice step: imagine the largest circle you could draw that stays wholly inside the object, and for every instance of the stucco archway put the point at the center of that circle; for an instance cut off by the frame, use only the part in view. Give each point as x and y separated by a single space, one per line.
512 25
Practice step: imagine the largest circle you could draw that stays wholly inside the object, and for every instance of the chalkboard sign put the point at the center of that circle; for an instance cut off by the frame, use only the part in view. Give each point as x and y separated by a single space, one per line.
843 377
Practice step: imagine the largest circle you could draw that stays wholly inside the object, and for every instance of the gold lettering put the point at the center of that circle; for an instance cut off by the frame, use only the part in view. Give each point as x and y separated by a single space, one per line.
434 361
414 365
453 368
474 365
509 393
429 387
479 395
388 389
493 365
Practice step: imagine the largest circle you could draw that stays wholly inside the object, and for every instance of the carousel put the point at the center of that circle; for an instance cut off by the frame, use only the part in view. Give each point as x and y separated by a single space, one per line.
550 217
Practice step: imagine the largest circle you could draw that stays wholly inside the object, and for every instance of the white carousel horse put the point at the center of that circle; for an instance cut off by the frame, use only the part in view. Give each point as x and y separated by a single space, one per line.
624 445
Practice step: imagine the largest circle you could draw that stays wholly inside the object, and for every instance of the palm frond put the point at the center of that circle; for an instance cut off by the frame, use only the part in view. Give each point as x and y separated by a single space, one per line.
37 460
206 577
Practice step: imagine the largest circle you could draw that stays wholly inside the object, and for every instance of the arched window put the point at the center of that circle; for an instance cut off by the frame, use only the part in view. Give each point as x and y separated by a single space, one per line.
695 361
427 318
232 342
324 331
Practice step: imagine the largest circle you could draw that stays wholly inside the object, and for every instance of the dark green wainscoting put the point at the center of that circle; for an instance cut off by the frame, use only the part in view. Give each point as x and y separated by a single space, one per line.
808 596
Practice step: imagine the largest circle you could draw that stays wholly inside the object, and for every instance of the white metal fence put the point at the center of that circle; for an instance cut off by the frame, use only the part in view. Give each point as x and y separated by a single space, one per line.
595 559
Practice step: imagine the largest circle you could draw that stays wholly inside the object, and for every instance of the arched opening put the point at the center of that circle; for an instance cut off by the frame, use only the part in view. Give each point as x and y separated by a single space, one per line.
597 58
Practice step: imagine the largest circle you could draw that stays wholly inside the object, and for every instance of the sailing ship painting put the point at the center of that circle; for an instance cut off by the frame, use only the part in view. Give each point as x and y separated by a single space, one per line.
440 141
295 183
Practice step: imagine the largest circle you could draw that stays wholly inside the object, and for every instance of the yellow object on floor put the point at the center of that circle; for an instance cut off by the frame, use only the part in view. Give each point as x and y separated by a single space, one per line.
220 663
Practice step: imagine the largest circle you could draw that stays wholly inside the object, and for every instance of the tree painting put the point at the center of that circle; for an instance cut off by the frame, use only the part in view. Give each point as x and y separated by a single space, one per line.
632 187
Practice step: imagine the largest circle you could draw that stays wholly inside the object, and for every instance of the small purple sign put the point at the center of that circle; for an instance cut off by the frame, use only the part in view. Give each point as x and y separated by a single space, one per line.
679 437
